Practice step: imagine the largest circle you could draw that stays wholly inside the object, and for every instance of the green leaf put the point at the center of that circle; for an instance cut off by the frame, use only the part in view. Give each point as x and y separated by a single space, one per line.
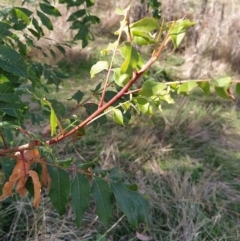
53 53
35 33
61 49
103 198
98 67
120 79
205 86
4 30
21 15
222 82
80 193
45 20
65 163
115 174
238 89
144 105
37 27
178 31
144 25
25 11
151 88
12 109
12 61
76 15
60 188
118 116
7 166
53 122
141 40
9 97
133 204
131 58
222 92
78 96
187 87
50 10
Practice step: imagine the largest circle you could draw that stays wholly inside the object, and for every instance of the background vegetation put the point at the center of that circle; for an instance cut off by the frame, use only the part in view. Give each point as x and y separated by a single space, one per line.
186 158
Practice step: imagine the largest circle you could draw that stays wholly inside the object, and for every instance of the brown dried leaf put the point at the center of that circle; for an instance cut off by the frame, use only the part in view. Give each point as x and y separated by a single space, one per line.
44 175
29 155
18 172
20 188
37 188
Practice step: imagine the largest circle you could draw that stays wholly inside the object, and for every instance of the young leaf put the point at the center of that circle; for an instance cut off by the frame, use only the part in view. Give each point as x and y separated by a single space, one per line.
53 122
223 92
151 88
120 79
118 116
103 198
50 10
60 188
45 20
12 61
222 82
187 87
21 15
144 105
80 193
98 67
131 58
145 25
178 31
205 86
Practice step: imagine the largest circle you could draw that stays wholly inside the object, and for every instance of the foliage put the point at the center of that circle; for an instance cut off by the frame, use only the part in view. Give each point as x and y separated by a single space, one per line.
117 95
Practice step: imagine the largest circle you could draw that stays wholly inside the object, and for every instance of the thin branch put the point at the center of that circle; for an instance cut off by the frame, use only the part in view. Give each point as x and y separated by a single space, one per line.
110 68
100 110
132 91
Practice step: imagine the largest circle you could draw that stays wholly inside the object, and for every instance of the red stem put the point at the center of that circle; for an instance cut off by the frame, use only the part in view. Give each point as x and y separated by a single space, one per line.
24 165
